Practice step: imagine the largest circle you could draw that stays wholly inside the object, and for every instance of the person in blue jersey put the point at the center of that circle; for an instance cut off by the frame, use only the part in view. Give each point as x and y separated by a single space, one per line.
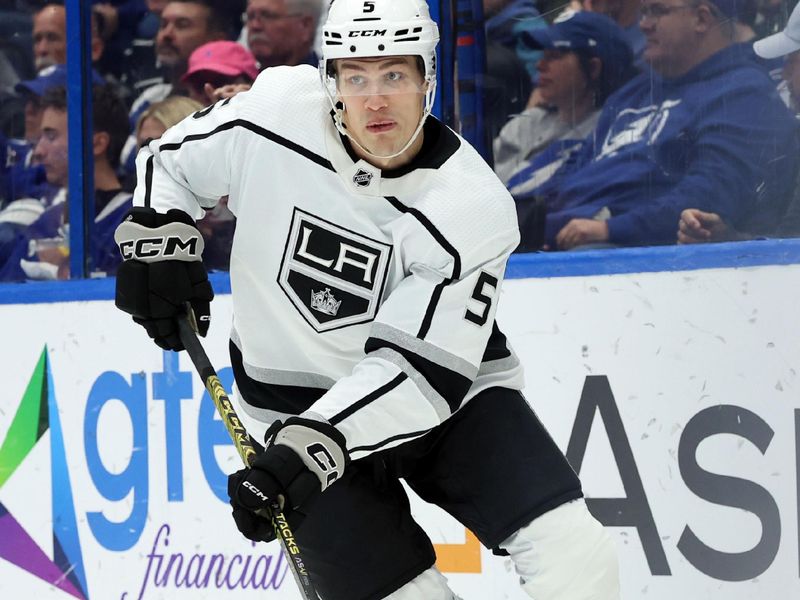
41 251
696 225
706 129
371 242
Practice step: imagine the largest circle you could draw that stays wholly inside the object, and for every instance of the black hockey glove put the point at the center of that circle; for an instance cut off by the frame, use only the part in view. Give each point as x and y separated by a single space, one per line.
301 459
161 271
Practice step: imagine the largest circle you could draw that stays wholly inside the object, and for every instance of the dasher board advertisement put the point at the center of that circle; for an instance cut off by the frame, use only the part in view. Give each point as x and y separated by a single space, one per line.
674 395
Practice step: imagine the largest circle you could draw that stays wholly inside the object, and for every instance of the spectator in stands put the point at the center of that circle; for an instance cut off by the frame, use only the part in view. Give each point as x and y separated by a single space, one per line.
22 177
695 225
706 129
218 64
140 69
626 14
282 32
50 37
510 64
42 250
506 20
506 24
118 21
586 58
162 115
185 26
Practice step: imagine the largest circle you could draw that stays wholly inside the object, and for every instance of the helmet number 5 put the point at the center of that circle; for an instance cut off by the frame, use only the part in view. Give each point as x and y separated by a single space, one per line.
369 7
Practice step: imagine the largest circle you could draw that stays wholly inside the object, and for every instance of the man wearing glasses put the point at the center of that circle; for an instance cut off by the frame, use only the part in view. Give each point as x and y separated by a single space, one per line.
705 129
282 32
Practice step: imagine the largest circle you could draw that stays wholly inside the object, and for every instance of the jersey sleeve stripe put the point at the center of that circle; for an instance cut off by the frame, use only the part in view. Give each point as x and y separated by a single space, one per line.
443 407
280 376
500 365
369 398
378 445
423 349
284 398
252 127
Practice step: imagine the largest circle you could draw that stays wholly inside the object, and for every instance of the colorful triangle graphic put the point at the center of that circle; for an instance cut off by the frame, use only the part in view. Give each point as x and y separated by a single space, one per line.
17 547
29 424
37 413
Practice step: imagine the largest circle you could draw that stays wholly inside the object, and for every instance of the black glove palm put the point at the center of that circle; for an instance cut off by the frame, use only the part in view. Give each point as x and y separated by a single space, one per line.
162 271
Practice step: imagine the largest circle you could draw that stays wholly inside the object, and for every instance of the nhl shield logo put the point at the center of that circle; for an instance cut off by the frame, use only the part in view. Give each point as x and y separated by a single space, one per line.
334 277
362 178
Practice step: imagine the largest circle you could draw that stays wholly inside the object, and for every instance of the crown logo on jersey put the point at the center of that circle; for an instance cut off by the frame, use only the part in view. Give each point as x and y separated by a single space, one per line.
362 178
324 302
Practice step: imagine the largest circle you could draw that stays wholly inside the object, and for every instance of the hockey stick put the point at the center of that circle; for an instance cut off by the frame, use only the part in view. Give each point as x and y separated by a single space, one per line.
247 448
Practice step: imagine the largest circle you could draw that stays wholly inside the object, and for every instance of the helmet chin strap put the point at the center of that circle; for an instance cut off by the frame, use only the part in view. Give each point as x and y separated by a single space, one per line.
338 111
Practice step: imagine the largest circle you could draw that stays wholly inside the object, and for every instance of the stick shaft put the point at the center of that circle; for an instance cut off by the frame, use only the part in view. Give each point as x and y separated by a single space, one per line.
247 448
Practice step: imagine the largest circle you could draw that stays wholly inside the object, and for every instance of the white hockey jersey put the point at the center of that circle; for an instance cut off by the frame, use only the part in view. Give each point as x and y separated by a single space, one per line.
363 298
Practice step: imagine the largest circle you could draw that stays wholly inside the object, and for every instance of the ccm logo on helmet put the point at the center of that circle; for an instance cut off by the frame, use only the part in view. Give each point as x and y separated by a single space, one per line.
367 33
158 246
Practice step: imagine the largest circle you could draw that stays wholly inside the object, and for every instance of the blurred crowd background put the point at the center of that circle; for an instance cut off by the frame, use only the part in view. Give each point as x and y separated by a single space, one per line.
613 123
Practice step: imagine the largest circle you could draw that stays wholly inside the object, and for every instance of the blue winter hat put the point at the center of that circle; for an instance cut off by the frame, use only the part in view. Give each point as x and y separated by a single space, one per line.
584 31
49 78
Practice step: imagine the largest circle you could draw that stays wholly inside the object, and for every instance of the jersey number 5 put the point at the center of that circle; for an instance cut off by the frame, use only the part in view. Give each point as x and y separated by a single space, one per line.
478 294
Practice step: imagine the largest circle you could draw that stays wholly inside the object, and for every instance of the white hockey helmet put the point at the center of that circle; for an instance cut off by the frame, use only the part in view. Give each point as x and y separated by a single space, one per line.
370 28
378 28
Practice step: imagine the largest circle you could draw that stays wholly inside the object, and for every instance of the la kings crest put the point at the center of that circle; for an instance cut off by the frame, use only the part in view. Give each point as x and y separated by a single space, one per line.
333 276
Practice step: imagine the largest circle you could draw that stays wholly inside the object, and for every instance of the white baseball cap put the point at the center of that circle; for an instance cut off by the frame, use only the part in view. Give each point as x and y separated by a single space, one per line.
783 42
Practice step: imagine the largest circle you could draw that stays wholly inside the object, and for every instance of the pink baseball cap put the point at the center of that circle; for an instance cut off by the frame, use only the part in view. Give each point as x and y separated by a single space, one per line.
224 57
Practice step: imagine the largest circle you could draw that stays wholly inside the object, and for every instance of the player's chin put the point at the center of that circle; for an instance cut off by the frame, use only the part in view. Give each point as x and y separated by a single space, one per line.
379 139
386 148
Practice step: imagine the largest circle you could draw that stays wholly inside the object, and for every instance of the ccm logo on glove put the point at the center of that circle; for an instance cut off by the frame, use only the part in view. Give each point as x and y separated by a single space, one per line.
259 494
173 241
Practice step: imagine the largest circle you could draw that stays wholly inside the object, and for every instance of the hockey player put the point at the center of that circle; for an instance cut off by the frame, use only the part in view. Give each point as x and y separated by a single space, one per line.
366 267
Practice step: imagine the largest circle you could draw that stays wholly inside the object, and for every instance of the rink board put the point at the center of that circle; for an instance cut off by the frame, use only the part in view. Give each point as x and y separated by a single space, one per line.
692 374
